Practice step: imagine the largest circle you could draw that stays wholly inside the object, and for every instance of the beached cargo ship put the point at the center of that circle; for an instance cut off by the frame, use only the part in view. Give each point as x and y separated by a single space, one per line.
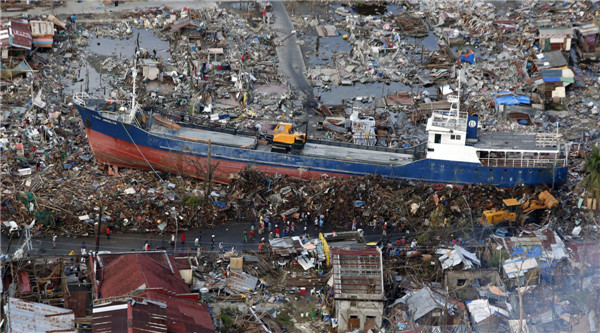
122 134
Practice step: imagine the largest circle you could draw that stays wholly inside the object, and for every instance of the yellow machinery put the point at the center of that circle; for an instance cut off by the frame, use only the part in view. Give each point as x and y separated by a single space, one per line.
286 138
514 210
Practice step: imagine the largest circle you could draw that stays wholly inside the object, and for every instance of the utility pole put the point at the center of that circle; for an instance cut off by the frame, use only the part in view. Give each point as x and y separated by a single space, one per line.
174 213
98 230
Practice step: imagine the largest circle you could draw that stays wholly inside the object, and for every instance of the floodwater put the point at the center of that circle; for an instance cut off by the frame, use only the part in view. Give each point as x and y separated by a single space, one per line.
93 79
124 48
327 47
340 94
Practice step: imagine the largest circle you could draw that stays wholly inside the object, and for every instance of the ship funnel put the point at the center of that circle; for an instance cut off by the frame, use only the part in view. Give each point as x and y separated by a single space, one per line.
472 122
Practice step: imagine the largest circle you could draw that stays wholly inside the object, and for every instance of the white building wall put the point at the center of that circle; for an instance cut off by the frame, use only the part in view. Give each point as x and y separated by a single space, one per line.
362 309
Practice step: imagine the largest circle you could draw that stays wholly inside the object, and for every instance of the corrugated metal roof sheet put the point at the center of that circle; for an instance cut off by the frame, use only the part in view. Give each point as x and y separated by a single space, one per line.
37 317
20 35
286 246
481 309
241 282
127 272
424 301
144 317
183 315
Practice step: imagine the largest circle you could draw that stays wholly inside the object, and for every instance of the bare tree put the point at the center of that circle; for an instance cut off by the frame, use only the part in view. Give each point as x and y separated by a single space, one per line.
521 291
204 170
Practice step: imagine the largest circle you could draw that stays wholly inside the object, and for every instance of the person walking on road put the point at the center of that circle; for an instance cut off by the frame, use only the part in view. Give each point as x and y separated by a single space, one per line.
212 242
54 242
173 241
221 247
196 243
146 246
245 236
260 245
182 240
107 233
83 250
200 236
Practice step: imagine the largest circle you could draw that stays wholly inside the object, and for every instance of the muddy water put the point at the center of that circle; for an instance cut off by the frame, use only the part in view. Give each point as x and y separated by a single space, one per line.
339 94
95 80
320 52
124 48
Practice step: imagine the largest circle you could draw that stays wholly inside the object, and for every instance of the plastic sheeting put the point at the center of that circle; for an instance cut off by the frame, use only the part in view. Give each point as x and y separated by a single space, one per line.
508 98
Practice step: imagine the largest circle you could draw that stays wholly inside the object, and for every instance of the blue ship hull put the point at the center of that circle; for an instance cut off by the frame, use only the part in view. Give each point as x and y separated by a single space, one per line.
120 144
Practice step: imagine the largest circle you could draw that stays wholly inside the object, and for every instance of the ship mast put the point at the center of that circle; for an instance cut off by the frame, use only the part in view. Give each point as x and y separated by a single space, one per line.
133 101
458 93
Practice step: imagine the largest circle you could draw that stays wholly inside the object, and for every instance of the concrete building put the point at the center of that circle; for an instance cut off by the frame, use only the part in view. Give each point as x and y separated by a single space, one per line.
358 287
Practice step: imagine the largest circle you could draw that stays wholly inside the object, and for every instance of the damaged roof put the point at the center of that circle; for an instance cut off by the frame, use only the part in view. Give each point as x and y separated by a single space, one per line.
183 315
481 309
238 281
424 301
457 256
544 244
138 315
19 35
33 317
358 273
127 272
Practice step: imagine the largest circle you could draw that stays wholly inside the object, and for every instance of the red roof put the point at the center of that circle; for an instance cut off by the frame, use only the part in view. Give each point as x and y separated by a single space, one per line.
124 273
183 315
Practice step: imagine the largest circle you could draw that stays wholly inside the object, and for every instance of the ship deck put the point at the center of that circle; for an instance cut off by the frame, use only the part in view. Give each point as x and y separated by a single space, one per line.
218 138
350 154
510 141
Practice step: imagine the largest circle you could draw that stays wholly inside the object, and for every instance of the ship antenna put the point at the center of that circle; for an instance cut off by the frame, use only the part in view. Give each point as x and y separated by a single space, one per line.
133 102
459 72
134 76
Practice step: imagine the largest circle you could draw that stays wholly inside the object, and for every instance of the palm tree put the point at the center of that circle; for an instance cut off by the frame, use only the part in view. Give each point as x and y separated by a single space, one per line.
591 181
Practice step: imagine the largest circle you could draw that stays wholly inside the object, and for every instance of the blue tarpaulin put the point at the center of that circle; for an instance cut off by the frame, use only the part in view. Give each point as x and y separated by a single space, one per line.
508 98
533 252
470 58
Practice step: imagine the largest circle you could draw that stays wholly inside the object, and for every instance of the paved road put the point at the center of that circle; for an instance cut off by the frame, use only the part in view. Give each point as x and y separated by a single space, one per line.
230 234
291 62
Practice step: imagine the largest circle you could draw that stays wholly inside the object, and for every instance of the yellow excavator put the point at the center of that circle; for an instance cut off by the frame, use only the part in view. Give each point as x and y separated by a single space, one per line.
287 139
514 210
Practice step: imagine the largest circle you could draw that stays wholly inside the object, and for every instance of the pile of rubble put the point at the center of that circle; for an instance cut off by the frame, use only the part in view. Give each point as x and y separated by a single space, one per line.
130 200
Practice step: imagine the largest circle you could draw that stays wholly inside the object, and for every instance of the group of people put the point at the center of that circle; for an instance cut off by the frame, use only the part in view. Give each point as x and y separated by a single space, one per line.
265 226
401 245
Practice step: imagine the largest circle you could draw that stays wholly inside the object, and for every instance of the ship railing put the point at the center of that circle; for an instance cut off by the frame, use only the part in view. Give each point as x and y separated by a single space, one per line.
80 97
523 163
118 116
449 119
